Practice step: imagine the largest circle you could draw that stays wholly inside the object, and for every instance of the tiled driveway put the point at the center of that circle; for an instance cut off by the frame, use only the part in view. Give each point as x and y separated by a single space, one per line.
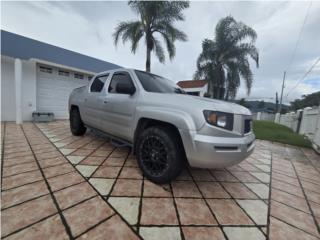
57 186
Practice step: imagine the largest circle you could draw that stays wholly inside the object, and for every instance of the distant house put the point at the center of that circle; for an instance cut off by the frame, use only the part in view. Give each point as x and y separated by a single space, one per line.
36 76
194 87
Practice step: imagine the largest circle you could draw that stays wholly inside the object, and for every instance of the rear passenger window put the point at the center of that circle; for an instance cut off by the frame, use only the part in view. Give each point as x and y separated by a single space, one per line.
119 77
98 83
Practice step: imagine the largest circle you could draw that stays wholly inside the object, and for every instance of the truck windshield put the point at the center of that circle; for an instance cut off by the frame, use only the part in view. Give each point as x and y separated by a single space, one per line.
155 83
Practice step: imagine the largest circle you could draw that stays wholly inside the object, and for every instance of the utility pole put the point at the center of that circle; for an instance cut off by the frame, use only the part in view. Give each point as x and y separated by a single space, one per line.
284 77
277 103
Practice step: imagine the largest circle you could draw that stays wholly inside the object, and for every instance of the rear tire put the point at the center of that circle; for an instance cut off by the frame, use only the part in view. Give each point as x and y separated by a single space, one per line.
76 125
160 154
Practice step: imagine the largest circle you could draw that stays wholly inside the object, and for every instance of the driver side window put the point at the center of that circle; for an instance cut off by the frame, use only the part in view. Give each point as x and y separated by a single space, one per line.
119 77
98 83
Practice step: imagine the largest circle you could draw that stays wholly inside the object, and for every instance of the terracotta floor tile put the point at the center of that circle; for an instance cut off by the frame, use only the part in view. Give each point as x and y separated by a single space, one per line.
151 189
18 160
286 179
23 193
49 229
185 189
13 150
239 190
202 233
27 213
21 168
312 196
289 199
243 233
18 154
224 176
103 186
315 208
114 162
212 190
186 209
201 175
128 207
93 160
114 228
228 212
107 172
100 153
160 233
184 176
50 162
311 186
126 187
130 172
295 217
21 179
287 187
66 180
87 214
158 211
58 170
74 194
52 154
131 162
282 231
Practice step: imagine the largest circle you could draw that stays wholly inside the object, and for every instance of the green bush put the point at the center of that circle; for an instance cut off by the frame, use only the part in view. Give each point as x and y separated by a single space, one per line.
278 133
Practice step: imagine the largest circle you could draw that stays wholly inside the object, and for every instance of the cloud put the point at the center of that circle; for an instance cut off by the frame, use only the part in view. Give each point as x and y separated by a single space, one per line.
87 27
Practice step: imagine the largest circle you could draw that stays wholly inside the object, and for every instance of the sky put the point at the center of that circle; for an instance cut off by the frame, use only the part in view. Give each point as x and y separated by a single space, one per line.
87 28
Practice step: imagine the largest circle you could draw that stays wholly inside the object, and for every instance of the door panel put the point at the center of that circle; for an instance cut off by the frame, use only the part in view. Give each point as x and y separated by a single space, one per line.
94 101
118 109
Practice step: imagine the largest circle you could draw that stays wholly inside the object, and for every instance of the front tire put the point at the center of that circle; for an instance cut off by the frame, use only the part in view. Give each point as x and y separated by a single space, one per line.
160 154
76 125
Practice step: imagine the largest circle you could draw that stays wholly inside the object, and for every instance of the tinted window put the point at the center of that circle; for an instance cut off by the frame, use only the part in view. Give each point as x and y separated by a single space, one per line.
119 77
155 83
98 83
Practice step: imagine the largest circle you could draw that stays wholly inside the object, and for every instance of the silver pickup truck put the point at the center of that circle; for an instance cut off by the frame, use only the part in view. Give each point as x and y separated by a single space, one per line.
165 127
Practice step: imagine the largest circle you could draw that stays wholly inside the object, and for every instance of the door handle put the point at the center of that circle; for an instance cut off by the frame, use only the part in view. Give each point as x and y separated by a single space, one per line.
105 101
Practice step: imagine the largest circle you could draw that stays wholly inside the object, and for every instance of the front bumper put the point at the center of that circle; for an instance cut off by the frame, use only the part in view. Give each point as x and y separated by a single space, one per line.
205 151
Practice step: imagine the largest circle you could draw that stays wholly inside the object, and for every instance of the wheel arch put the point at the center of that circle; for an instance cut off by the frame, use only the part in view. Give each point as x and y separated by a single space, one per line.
144 123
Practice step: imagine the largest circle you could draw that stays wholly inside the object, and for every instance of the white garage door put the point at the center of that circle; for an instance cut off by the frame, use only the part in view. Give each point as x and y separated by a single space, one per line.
54 87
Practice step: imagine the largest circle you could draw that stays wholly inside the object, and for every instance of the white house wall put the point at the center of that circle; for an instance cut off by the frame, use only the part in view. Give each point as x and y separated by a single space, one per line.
28 89
8 100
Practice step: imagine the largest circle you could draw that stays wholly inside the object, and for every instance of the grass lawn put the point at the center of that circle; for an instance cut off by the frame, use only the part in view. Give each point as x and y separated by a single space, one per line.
266 130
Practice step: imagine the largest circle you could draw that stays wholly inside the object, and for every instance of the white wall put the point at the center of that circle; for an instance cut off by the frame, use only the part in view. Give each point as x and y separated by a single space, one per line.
309 126
28 89
8 100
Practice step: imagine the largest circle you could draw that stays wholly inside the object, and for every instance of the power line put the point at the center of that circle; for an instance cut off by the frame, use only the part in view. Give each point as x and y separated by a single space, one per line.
304 76
299 38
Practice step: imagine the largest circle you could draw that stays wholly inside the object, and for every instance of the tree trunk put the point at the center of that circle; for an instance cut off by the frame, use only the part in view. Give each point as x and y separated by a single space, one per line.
148 68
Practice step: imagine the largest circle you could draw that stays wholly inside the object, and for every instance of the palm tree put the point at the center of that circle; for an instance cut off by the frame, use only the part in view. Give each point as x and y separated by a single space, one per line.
156 18
225 60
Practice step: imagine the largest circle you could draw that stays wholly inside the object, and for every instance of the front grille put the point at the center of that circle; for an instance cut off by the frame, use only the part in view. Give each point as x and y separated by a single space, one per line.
247 125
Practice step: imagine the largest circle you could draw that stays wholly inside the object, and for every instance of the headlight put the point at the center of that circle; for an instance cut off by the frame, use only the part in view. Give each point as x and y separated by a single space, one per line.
219 119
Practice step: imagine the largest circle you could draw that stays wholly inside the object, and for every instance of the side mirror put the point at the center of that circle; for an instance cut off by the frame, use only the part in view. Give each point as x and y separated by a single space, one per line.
125 88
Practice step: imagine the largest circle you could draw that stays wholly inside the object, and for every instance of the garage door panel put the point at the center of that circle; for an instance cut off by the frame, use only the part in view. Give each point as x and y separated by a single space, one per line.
53 92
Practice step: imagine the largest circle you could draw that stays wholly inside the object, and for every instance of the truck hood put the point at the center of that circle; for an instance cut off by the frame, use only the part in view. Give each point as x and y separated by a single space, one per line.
199 103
